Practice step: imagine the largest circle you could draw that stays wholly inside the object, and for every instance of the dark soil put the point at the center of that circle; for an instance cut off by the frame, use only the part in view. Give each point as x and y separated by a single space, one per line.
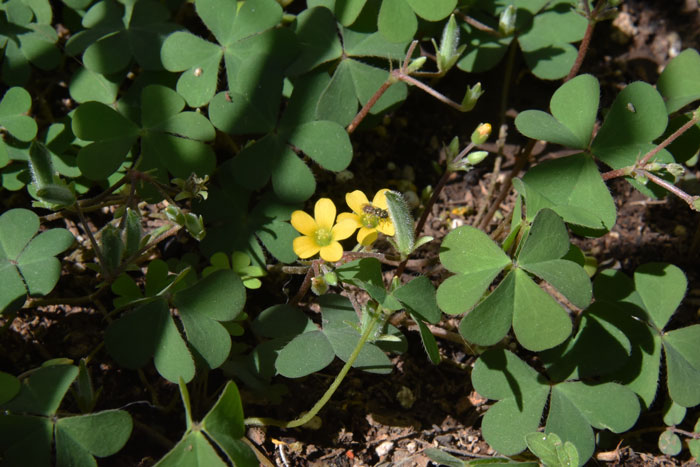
390 420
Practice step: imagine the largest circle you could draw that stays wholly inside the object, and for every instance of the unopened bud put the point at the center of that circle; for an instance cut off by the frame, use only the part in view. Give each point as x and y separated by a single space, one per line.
471 97
676 170
319 286
416 65
331 278
477 156
448 53
481 134
506 23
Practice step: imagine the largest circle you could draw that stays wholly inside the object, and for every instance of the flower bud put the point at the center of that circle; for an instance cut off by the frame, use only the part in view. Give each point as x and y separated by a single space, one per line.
319 286
477 156
506 23
481 134
448 53
416 65
470 97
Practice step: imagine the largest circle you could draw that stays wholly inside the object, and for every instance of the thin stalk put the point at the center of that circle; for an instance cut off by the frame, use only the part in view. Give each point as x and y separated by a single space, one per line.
586 41
670 187
505 89
93 242
671 138
264 421
520 162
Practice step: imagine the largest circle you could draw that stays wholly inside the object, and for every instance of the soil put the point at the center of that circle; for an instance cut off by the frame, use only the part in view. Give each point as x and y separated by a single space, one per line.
391 420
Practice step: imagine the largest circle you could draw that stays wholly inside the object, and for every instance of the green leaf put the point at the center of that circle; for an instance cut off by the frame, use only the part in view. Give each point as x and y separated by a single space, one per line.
574 106
490 321
396 21
9 387
669 443
546 240
539 322
305 354
192 450
25 440
282 321
100 434
662 287
499 374
418 296
113 136
429 343
434 10
43 391
217 297
366 273
325 142
149 331
87 85
338 315
678 83
33 258
199 59
14 106
117 33
317 32
673 413
624 128
573 188
227 414
600 346
682 348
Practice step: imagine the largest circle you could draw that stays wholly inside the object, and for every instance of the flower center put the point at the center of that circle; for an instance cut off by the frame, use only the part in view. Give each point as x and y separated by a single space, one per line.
369 221
323 237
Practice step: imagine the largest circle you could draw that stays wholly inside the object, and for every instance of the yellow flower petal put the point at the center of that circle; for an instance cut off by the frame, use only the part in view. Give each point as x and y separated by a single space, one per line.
343 216
379 199
324 213
356 200
332 252
305 247
304 223
387 228
366 237
343 229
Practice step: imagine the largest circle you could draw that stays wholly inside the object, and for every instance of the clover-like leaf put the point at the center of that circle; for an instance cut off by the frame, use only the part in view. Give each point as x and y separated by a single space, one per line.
366 273
574 106
171 140
117 32
29 422
27 263
14 107
27 37
477 260
221 428
648 304
397 18
272 157
338 337
637 117
254 53
149 331
545 30
574 407
677 82
577 193
538 321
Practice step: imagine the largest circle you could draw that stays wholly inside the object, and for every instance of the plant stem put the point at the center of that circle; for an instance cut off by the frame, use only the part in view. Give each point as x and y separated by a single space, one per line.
93 242
586 41
670 187
521 160
264 421
672 137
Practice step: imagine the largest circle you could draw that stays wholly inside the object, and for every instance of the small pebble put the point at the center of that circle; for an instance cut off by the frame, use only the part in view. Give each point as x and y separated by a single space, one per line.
384 448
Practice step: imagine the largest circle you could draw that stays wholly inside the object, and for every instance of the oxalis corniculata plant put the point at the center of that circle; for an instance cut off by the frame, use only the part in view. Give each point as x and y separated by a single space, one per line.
218 134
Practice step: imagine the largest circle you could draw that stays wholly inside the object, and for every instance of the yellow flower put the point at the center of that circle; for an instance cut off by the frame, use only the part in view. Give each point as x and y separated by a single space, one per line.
369 217
318 232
